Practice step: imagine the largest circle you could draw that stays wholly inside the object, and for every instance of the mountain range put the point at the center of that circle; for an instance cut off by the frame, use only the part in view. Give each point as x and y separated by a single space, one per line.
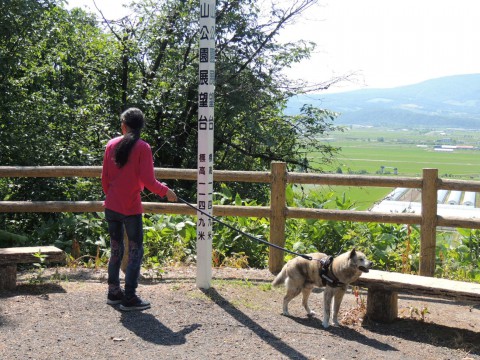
447 102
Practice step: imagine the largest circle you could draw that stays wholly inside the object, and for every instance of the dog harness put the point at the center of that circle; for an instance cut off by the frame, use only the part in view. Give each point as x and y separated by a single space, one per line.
326 273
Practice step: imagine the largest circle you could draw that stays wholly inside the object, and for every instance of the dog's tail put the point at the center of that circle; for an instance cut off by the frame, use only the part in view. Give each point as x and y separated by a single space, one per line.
280 279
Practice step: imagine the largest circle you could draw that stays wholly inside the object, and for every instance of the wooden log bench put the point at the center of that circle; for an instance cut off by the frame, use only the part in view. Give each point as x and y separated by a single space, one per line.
384 287
10 257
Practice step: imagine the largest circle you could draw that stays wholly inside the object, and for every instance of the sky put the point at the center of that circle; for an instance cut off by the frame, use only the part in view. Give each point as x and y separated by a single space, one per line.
384 43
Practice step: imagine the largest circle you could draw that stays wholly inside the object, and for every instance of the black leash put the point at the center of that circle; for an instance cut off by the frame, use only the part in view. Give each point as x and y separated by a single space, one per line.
244 233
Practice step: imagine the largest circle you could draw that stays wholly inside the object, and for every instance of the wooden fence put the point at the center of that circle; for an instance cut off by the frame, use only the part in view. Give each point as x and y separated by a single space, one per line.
277 212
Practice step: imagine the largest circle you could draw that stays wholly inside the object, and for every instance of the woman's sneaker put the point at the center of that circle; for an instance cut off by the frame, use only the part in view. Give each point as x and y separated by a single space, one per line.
115 298
134 303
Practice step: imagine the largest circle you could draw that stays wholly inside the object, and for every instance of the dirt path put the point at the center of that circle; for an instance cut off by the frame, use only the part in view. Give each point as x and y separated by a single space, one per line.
237 318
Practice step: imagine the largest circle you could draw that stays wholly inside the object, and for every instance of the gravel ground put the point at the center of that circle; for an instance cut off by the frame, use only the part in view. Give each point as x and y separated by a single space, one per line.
239 317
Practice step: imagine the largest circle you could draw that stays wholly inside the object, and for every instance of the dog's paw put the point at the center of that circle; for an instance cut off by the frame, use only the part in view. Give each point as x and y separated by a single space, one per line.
311 313
285 313
325 325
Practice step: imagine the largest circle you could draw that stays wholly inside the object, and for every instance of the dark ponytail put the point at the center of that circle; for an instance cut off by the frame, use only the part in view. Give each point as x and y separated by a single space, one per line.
133 118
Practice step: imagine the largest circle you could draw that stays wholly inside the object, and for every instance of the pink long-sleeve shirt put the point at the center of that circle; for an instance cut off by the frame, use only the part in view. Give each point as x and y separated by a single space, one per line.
122 186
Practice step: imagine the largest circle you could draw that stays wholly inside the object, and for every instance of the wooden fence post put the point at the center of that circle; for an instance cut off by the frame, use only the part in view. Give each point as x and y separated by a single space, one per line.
428 230
277 215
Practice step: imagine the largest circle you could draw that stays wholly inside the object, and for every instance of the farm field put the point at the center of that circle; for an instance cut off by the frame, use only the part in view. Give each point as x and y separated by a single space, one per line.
405 152
402 152
362 197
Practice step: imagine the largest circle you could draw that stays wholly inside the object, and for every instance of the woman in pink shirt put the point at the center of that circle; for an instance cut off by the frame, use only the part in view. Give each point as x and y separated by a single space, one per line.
127 170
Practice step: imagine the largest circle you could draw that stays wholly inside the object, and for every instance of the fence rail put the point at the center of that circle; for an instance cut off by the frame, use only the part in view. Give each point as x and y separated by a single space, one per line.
277 212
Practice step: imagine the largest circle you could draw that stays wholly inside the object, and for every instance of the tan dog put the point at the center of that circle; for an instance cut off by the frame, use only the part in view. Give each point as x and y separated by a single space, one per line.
301 276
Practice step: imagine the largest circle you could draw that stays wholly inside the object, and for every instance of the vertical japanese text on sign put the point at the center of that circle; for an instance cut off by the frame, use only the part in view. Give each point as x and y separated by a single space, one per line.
206 121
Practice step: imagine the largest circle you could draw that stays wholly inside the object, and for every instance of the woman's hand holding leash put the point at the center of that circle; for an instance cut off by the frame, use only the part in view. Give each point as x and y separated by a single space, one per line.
171 196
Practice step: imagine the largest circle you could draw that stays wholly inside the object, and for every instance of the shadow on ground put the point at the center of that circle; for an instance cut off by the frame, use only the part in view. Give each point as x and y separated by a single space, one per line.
33 289
258 330
147 327
429 333
344 332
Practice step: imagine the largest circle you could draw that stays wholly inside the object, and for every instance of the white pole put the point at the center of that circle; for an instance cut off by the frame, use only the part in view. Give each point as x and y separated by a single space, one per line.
206 102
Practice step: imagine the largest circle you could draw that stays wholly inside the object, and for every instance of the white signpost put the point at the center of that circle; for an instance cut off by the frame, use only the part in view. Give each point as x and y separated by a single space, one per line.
206 102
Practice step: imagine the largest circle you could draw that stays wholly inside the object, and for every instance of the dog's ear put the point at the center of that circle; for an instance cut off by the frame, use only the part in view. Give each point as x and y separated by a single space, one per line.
352 253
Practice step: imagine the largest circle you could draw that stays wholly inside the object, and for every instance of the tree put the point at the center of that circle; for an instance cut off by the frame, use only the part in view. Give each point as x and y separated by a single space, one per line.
58 81
159 47
66 79
57 77
20 29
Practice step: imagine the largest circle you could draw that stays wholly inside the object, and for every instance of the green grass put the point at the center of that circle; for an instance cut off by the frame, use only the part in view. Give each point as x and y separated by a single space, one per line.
367 150
405 152
362 196
409 161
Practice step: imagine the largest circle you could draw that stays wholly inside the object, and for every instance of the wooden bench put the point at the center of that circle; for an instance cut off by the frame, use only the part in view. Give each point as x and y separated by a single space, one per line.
383 288
10 257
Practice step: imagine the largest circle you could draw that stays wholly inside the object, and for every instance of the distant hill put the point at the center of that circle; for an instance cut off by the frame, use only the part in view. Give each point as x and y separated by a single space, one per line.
452 101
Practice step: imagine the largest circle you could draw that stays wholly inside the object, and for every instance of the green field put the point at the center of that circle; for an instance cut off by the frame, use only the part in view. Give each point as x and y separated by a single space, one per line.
366 150
401 152
362 197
